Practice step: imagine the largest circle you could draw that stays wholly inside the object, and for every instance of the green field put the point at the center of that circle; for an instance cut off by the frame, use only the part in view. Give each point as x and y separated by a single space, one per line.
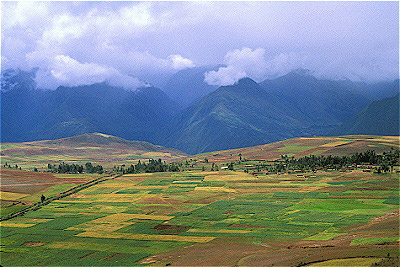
128 220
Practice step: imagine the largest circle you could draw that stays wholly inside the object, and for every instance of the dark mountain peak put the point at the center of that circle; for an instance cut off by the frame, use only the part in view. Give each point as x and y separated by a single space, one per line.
246 82
244 86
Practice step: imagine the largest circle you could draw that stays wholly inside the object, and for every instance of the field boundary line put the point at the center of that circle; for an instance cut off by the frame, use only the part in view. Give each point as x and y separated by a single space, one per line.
58 196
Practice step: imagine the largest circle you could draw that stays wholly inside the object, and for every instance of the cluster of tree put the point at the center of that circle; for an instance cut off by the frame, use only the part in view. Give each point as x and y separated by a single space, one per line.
384 162
151 166
214 167
6 165
75 168
378 162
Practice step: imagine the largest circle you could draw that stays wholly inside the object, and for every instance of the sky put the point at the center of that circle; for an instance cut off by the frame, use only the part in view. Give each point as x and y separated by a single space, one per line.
132 44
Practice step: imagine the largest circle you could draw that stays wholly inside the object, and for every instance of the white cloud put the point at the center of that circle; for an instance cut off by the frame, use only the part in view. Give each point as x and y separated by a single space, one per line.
284 63
64 70
178 62
253 64
224 76
101 36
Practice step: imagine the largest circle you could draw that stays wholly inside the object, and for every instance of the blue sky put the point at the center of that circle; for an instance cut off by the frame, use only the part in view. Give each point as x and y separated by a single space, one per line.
132 43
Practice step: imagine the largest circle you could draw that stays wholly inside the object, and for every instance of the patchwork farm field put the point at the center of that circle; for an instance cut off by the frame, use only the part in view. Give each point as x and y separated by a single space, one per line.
19 188
305 146
213 218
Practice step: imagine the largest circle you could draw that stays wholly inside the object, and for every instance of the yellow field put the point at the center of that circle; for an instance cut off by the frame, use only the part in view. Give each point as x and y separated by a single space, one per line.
219 231
355 262
132 186
120 198
137 174
77 245
197 239
11 224
156 154
122 217
186 181
74 201
310 189
237 177
214 189
292 211
11 196
387 139
338 143
99 227
315 138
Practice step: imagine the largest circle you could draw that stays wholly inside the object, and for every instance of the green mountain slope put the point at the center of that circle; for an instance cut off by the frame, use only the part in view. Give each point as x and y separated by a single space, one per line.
237 116
378 118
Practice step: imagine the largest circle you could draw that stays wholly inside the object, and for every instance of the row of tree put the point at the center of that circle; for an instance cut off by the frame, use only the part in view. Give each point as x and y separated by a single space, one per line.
151 166
6 165
75 168
383 162
380 162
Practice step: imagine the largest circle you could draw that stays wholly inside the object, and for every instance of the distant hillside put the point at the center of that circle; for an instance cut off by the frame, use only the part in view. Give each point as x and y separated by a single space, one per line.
378 118
324 101
94 147
304 146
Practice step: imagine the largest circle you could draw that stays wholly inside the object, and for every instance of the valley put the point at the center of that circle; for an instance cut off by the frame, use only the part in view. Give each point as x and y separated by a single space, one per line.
200 217
199 133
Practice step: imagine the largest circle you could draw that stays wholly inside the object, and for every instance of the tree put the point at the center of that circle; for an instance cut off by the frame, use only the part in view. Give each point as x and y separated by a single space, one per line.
35 169
230 166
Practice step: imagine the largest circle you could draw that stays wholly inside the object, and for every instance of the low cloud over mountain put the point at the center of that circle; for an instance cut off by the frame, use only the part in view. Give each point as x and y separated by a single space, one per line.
78 43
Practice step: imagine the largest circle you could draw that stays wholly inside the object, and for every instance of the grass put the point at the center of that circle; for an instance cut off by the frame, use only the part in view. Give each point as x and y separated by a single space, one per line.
373 240
11 196
133 217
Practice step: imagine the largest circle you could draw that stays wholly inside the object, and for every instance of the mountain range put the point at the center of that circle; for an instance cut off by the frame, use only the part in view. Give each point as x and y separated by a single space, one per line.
206 118
29 114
